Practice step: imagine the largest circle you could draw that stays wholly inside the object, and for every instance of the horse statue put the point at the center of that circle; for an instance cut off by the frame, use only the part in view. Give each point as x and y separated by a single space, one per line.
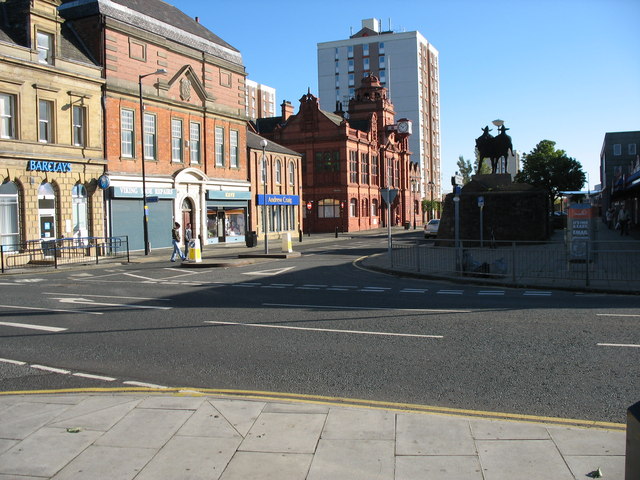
493 148
501 147
484 146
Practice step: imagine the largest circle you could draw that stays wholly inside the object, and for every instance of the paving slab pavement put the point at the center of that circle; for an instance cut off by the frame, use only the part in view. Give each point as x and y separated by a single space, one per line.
159 435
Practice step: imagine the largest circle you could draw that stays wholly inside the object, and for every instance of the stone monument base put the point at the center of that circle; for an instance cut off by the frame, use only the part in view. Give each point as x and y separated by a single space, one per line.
510 212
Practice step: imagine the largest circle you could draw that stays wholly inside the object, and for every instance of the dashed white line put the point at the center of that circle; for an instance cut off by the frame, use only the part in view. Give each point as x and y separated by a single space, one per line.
616 315
536 293
414 290
33 327
51 369
146 385
343 307
50 309
94 377
626 345
491 292
450 292
328 330
13 362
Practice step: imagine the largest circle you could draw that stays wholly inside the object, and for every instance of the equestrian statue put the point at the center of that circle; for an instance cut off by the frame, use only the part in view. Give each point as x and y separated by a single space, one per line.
493 148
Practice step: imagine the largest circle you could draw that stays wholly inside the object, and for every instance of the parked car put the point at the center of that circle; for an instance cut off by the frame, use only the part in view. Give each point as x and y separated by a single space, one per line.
431 228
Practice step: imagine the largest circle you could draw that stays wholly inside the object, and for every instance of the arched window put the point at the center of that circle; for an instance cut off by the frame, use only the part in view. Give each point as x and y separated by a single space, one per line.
329 208
292 173
9 233
278 172
47 210
353 207
79 211
374 207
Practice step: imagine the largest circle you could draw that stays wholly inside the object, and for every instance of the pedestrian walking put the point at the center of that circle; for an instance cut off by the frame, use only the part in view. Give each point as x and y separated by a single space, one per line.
175 239
188 236
623 220
609 218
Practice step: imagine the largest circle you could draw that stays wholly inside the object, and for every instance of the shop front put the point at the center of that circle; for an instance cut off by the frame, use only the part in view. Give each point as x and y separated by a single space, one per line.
282 212
227 216
125 205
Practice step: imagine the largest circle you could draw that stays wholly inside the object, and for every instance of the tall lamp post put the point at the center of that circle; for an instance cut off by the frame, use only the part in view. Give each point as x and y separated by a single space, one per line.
263 144
145 209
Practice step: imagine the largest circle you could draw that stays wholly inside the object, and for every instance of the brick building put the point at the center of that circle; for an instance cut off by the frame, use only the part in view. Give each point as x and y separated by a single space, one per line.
347 157
191 131
51 143
276 184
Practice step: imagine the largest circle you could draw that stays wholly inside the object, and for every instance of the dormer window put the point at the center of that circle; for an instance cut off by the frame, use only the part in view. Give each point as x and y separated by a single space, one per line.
45 48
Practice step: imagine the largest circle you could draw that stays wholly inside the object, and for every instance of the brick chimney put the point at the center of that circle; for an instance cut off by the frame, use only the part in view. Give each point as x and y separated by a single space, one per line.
287 110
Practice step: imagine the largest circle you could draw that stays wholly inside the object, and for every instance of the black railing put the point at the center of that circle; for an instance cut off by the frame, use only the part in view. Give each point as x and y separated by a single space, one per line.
57 252
607 264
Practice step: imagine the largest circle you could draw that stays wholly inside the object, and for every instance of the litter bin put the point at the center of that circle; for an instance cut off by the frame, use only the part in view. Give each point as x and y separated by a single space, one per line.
407 225
251 238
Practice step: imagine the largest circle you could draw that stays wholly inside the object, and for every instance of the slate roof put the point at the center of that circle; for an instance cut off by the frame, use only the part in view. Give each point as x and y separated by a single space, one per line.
157 17
13 30
253 141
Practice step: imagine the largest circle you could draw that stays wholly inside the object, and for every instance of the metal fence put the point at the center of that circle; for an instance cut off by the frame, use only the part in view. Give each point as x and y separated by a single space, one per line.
63 251
600 264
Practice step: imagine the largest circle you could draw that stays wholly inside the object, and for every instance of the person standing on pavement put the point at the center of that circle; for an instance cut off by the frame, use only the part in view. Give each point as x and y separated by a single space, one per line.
188 235
609 218
623 220
175 239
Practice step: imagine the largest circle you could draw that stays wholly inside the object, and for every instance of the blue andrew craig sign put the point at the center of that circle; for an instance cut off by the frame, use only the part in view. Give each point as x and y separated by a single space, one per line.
279 200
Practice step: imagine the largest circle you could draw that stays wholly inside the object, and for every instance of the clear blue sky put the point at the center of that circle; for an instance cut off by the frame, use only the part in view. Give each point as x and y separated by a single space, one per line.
561 70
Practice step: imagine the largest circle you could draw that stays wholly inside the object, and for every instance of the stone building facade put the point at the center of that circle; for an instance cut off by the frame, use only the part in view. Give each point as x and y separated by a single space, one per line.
348 157
51 136
174 95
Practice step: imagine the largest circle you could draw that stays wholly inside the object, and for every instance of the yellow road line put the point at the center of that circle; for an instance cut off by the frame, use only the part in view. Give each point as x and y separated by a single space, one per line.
340 401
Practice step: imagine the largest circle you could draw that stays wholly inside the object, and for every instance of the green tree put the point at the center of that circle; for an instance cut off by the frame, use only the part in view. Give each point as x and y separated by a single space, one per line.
465 169
551 169
486 166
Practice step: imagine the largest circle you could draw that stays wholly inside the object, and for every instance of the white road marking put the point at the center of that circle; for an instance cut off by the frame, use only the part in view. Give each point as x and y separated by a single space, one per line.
310 285
141 277
491 292
616 315
146 385
14 362
450 292
30 280
414 290
271 272
247 285
536 293
628 345
86 301
33 327
330 330
51 369
94 377
341 307
110 296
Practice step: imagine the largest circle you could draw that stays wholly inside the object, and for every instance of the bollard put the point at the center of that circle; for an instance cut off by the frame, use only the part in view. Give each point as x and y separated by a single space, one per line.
194 251
300 235
336 232
286 243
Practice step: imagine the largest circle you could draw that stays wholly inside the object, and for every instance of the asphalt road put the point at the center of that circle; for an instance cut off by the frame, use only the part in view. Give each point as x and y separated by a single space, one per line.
319 325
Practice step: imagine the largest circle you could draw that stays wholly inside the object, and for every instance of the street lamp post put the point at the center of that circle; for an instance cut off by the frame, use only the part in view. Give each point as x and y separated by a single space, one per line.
145 209
263 144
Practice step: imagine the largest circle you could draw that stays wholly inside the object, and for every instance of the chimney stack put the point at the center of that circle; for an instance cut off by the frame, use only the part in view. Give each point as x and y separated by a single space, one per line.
287 110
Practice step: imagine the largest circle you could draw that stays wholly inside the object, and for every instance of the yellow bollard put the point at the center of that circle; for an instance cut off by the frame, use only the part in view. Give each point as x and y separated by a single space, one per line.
286 243
195 255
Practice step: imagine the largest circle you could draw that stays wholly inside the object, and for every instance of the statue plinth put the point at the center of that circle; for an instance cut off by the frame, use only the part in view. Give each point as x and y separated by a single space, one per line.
493 180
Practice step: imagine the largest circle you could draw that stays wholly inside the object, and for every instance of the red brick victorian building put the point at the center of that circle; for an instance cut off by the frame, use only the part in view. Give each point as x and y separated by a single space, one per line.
347 158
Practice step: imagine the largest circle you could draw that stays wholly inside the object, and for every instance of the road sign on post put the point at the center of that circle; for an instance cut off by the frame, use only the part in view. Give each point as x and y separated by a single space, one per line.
388 195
